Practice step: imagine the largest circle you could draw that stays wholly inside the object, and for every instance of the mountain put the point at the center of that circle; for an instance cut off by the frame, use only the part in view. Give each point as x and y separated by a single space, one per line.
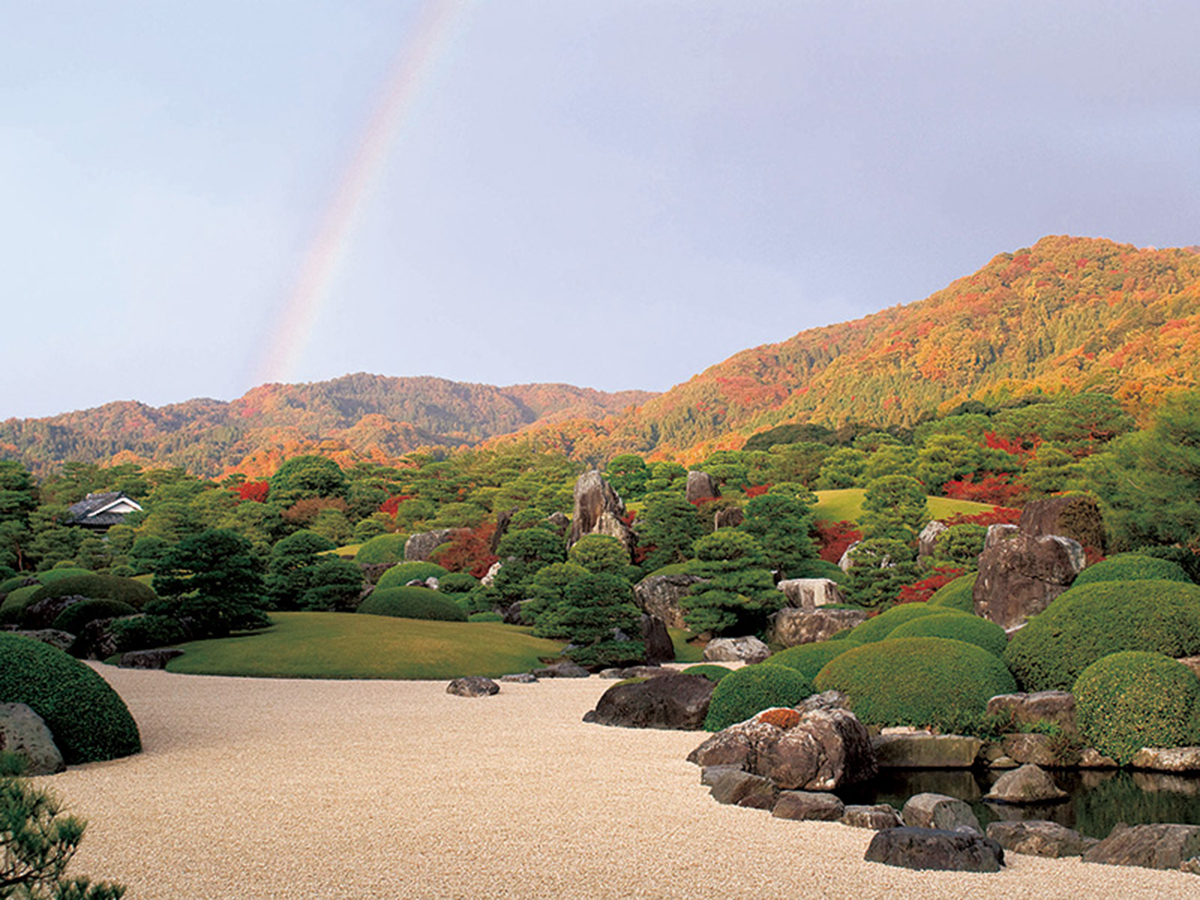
1074 314
354 417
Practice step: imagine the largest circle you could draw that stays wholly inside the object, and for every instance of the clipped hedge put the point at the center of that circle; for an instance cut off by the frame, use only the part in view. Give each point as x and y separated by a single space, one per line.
1133 699
74 617
711 671
98 587
809 659
383 548
1086 623
969 629
12 610
57 574
921 681
882 625
958 594
411 603
401 574
88 719
749 690
16 581
1131 567
457 583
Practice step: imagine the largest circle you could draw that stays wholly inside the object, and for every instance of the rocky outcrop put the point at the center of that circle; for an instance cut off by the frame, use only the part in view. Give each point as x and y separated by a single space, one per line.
419 547
52 636
599 510
876 817
472 686
657 640
1075 516
700 486
927 539
922 750
926 848
791 627
1167 759
728 518
41 615
747 649
565 669
939 811
1040 838
1021 574
490 576
149 659
1032 749
809 593
1149 846
1043 706
661 595
1028 784
739 788
519 678
23 732
671 701
808 805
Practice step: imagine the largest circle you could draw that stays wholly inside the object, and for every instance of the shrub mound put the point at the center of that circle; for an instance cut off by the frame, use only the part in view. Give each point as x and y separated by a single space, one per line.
56 573
958 594
922 681
457 583
1086 623
749 690
484 617
882 625
99 587
711 671
88 719
11 584
12 610
1131 567
809 659
411 603
1133 699
969 629
383 548
74 617
401 574
818 568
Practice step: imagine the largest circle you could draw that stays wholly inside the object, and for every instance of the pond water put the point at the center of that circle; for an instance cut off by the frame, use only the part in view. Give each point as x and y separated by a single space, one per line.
1098 798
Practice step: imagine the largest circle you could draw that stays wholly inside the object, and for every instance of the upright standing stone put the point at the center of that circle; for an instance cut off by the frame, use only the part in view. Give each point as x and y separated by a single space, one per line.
700 486
599 510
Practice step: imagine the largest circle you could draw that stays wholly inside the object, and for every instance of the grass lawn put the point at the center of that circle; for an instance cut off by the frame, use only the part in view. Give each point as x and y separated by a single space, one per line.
685 652
846 504
349 645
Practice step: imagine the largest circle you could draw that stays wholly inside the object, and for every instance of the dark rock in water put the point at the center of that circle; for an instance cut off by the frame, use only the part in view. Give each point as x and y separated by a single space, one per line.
565 669
921 750
23 732
149 659
939 812
472 686
1031 749
1167 759
929 848
700 486
660 595
808 805
1028 784
657 640
1040 838
1148 846
876 818
673 701
739 788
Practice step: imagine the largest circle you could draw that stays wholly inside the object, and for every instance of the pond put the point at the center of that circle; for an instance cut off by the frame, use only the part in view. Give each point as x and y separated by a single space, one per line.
1098 798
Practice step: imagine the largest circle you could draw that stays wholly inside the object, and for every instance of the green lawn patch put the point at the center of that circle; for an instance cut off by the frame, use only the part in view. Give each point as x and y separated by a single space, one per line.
685 652
846 505
341 645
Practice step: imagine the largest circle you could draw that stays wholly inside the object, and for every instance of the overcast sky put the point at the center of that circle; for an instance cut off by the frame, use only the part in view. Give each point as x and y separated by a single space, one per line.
199 197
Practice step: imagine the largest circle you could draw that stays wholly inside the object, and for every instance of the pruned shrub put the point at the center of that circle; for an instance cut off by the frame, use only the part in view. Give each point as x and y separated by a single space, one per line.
98 587
1131 567
809 659
970 629
61 571
751 689
383 548
882 625
74 617
711 671
921 681
485 617
958 594
401 574
146 632
819 568
411 603
88 719
12 610
1086 623
17 581
1133 699
457 583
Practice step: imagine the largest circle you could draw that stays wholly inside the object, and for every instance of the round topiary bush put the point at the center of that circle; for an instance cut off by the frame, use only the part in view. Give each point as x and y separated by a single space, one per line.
958 594
457 583
485 617
74 617
1133 699
12 610
809 659
711 671
1086 623
16 581
969 629
882 625
383 548
411 603
922 681
60 571
98 587
1131 567
749 690
401 574
88 719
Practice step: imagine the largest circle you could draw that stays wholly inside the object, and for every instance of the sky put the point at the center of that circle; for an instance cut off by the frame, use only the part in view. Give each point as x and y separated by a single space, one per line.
202 197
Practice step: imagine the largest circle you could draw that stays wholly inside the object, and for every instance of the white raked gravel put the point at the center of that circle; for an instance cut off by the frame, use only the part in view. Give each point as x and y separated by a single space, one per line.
255 788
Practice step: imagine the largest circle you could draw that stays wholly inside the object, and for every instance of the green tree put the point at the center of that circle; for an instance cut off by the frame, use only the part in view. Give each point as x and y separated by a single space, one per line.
599 618
946 457
307 476
797 462
522 553
739 593
213 579
628 475
300 575
890 459
601 554
843 468
782 526
669 525
894 506
879 568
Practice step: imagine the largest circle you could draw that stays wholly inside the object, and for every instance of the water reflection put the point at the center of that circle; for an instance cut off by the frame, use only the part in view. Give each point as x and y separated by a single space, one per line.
1097 798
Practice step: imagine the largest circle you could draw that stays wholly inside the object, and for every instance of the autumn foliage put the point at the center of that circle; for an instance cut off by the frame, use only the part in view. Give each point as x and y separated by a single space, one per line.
835 538
469 550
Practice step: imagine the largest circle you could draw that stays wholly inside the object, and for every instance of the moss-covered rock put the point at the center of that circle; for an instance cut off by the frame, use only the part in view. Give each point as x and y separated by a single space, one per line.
751 689
88 719
971 629
412 603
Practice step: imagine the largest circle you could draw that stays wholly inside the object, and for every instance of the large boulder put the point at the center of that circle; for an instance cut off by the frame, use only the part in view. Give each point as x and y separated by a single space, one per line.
149 659
739 788
1028 784
419 547
660 595
747 649
939 811
1076 516
819 750
1040 838
673 701
927 848
791 627
23 732
876 817
1042 706
657 640
1020 575
808 805
701 486
1032 749
1149 846
1167 759
809 593
922 750
927 539
599 510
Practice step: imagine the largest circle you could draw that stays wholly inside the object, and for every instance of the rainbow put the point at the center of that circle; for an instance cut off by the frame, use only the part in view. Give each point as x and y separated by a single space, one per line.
415 62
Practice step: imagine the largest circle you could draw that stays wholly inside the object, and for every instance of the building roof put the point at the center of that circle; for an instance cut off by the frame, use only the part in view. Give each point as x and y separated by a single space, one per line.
108 508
